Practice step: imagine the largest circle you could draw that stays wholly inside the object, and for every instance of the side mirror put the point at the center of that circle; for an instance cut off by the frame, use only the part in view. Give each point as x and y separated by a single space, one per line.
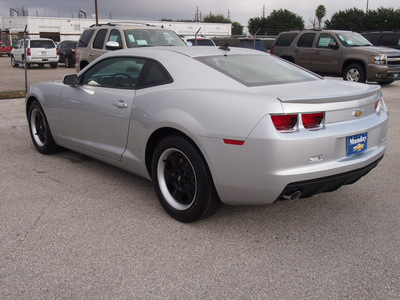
71 80
333 45
113 46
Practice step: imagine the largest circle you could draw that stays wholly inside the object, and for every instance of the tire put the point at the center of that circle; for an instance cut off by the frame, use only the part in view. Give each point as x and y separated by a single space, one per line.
53 65
182 180
13 63
39 129
355 72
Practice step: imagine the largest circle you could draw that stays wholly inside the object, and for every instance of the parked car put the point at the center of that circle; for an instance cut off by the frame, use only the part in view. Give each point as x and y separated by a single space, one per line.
339 53
66 51
384 38
209 125
198 41
260 44
100 39
38 51
4 49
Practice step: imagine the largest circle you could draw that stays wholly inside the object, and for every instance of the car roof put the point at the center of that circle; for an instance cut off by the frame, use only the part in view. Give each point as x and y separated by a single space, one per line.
183 50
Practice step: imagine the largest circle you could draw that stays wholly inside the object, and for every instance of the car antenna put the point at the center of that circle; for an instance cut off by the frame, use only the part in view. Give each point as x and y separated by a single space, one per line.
225 47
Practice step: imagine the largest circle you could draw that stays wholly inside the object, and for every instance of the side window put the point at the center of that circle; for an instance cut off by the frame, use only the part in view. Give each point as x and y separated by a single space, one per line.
306 40
285 39
115 36
119 72
389 40
324 40
98 42
154 74
85 38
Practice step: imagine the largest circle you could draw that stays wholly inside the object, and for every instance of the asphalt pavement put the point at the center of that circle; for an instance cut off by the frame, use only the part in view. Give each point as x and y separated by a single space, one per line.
74 228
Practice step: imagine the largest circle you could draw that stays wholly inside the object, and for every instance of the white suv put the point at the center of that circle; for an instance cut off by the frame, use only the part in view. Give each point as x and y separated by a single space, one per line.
38 51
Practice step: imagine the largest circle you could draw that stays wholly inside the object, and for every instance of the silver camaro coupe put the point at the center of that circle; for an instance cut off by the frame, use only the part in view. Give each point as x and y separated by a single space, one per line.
210 125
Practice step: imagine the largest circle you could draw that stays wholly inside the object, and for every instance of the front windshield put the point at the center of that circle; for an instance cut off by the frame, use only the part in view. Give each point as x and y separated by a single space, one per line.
151 37
257 70
352 39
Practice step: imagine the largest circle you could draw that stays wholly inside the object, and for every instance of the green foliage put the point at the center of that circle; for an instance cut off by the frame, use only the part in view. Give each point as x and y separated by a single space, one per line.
277 21
237 28
320 13
216 19
357 20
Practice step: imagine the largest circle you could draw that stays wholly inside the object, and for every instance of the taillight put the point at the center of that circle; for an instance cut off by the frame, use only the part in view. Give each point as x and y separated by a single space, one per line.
28 51
272 50
285 123
313 120
57 51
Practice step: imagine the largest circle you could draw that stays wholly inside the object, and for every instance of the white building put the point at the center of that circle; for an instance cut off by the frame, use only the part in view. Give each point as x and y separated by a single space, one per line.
70 28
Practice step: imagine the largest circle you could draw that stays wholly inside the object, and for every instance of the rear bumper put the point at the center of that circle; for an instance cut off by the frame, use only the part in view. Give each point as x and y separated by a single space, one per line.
309 188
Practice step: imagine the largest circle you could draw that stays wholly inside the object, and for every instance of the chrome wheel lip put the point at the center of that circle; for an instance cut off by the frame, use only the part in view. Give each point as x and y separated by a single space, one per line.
38 127
161 169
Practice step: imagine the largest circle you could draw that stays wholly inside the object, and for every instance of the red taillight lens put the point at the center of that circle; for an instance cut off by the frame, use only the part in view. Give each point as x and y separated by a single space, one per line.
284 122
313 121
28 51
57 51
272 50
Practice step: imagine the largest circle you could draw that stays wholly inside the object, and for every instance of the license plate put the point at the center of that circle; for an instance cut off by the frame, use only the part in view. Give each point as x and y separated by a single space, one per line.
357 143
44 52
396 75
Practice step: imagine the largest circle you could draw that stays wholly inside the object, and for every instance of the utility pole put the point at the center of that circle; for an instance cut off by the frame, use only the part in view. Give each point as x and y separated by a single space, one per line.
263 14
96 12
366 11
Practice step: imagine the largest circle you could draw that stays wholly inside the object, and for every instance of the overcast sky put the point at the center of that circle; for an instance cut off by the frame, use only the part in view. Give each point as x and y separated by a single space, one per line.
240 10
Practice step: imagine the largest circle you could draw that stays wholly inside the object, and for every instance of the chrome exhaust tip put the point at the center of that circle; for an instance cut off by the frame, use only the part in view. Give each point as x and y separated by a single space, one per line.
296 195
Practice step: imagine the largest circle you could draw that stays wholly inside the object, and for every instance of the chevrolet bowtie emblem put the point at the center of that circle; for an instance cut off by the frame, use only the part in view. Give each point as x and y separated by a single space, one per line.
357 113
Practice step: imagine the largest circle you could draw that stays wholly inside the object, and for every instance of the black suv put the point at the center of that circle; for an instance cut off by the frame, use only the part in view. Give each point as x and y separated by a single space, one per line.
339 53
99 39
384 38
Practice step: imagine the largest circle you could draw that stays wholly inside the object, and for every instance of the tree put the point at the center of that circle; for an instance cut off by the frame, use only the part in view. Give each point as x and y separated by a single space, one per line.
277 21
216 19
320 13
237 28
350 19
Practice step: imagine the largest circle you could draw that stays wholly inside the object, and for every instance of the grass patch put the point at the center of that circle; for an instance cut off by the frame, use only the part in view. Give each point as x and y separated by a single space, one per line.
12 94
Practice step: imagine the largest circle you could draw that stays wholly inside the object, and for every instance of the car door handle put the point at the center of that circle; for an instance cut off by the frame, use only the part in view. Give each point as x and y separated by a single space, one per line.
121 104
91 54
316 52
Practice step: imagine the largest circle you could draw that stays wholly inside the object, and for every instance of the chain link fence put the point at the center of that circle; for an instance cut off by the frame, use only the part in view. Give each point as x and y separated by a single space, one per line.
15 80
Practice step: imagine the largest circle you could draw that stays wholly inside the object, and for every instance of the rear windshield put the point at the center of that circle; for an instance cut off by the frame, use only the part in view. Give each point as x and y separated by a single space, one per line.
42 44
149 38
256 70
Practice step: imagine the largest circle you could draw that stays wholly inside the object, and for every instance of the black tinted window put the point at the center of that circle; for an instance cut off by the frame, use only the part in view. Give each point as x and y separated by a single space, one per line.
390 40
85 38
42 44
98 42
306 40
285 39
154 74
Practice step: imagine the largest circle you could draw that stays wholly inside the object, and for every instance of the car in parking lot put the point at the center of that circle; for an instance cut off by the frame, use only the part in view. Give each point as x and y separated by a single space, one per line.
198 41
39 51
384 38
66 52
209 124
99 39
339 53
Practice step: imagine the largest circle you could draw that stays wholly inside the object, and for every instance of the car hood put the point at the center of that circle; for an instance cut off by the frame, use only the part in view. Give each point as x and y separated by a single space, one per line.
320 91
373 50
